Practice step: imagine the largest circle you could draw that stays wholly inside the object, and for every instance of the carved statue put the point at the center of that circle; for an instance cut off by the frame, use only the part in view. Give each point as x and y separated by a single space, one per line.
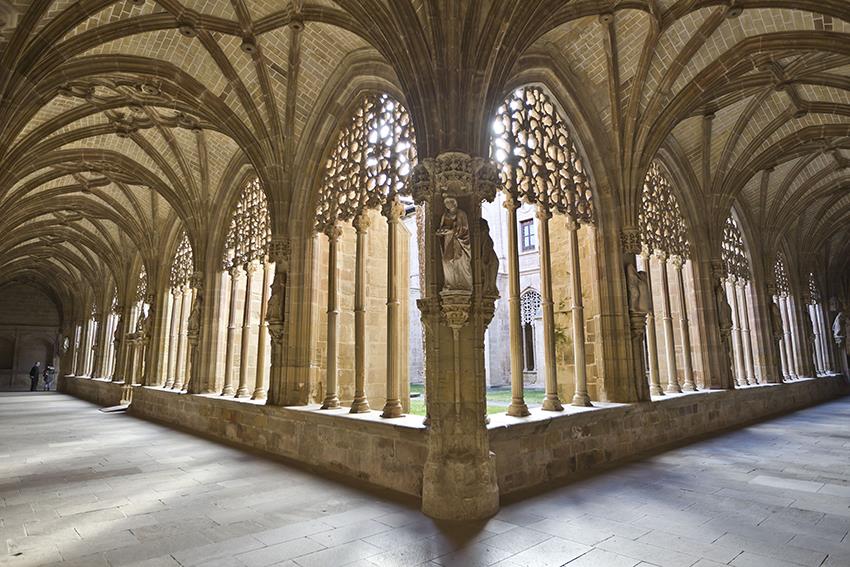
838 327
274 307
775 321
638 287
724 310
119 329
142 325
489 259
457 257
193 325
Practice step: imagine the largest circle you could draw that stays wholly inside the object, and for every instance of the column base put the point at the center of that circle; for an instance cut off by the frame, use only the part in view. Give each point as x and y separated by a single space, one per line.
582 400
331 402
552 404
259 394
655 390
242 393
392 409
226 391
689 387
518 409
360 405
453 488
673 389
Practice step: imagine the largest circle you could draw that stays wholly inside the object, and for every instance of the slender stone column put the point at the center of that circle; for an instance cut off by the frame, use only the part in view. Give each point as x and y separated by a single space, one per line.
737 345
518 407
790 341
182 361
684 329
550 369
262 337
812 321
826 335
99 343
174 332
581 397
669 345
651 337
331 401
75 348
84 348
242 391
817 321
122 343
360 404
393 210
230 346
746 336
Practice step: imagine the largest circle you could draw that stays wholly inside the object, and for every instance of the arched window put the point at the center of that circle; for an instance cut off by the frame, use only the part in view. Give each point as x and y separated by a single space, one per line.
181 296
739 296
366 170
541 166
790 353
732 251
664 235
783 289
529 311
246 253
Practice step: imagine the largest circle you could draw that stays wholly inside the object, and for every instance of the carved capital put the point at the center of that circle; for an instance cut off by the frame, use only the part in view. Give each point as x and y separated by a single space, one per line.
280 250
677 261
543 213
630 240
196 280
393 210
333 231
455 307
454 174
250 267
276 333
362 221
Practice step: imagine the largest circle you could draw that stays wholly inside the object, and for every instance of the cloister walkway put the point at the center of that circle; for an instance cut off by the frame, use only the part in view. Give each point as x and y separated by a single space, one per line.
82 487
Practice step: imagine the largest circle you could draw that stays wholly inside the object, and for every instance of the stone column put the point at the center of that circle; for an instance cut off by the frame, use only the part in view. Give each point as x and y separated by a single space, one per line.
518 407
262 337
331 400
684 329
230 346
746 338
551 402
75 351
581 397
737 346
84 349
393 210
182 363
459 479
651 337
811 319
790 350
826 333
242 391
99 344
174 332
669 344
360 404
124 345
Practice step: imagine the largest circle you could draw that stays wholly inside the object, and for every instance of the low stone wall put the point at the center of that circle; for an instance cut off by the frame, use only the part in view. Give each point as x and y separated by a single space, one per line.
102 392
383 453
529 455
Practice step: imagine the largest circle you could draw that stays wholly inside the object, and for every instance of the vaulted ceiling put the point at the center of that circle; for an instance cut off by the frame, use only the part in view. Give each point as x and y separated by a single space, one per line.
121 121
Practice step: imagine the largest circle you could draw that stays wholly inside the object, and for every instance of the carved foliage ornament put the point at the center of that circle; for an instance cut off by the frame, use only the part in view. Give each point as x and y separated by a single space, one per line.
374 154
250 227
732 251
539 160
662 225
182 265
454 174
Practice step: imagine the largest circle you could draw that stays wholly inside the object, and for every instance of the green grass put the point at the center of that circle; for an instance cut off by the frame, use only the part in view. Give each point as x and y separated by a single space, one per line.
503 395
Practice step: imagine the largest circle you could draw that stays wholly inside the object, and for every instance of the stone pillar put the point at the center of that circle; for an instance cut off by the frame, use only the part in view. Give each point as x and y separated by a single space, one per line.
360 404
581 397
811 319
99 344
392 210
174 332
262 337
551 402
230 346
242 392
790 351
687 360
185 303
669 344
84 349
737 345
331 400
74 355
518 407
746 335
826 333
118 342
459 479
651 337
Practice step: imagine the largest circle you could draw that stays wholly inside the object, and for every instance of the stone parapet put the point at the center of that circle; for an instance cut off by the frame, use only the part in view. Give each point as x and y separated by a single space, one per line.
102 392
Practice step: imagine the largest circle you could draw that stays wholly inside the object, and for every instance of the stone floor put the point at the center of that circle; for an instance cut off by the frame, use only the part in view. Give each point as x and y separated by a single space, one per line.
82 487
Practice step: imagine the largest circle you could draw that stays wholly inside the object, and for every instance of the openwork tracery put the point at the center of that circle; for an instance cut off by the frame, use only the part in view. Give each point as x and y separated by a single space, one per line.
374 154
814 291
529 306
182 265
142 285
250 227
732 251
663 228
540 162
783 288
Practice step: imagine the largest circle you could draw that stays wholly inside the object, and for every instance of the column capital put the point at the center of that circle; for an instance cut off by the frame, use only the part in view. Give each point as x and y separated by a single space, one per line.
512 202
454 174
280 250
630 240
250 267
661 255
332 230
362 221
573 224
677 261
393 209
542 212
234 271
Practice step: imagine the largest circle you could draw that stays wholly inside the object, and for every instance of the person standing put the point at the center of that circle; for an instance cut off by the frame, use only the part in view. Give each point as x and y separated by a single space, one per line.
34 377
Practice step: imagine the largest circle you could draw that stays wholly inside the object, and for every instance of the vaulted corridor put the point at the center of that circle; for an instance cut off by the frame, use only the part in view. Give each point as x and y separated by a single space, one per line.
83 487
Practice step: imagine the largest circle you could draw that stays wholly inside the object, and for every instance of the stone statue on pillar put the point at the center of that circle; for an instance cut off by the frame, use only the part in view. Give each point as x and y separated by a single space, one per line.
279 253
489 260
193 332
458 301
725 322
639 304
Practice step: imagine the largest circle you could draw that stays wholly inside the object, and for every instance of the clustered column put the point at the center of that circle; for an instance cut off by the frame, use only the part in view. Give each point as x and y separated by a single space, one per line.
737 344
669 343
687 361
651 337
746 335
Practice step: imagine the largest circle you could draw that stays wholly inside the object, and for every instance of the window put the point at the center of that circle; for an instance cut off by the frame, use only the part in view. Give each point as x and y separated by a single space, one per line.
528 239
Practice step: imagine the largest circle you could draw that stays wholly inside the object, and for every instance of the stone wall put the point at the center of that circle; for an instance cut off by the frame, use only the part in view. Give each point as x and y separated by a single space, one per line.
553 450
387 454
101 392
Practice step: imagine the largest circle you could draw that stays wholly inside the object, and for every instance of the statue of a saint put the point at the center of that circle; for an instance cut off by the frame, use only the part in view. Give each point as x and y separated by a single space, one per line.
490 261
142 324
457 257
838 327
193 325
638 288
119 329
776 321
724 310
274 307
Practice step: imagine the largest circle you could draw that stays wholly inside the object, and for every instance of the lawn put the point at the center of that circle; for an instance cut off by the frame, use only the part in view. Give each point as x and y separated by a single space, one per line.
500 398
